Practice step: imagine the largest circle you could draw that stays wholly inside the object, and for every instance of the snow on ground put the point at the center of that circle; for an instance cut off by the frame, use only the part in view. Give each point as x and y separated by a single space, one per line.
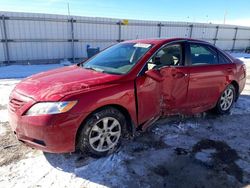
3 130
240 55
6 86
21 71
3 115
206 150
243 104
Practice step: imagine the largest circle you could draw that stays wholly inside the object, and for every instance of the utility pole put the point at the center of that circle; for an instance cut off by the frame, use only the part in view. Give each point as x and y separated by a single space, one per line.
207 19
68 10
225 15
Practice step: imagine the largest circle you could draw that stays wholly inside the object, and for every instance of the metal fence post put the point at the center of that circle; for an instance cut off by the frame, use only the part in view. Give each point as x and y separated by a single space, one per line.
191 30
235 38
72 38
119 31
5 40
159 32
216 35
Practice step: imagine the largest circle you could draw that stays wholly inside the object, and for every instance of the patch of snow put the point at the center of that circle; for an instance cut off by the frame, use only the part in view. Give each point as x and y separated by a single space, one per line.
65 62
183 127
22 71
37 172
205 155
2 130
242 106
243 165
103 169
179 140
6 86
176 127
246 59
243 57
171 136
157 131
4 116
240 55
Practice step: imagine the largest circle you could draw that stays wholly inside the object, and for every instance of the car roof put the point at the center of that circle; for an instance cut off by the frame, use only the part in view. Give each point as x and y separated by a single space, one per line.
163 40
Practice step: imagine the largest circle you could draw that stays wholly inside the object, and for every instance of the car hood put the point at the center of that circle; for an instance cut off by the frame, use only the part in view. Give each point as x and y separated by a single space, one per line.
55 84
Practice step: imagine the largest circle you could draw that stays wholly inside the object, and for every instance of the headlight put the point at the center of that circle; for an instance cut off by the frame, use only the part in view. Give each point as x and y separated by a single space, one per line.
50 107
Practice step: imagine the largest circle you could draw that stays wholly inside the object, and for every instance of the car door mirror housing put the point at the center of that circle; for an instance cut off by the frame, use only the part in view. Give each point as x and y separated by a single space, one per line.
154 74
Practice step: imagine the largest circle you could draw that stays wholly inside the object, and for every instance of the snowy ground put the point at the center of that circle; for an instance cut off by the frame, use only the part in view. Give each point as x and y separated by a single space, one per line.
22 71
202 151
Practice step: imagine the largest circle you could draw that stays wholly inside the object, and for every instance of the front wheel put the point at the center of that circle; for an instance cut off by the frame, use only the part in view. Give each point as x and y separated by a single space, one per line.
226 100
102 132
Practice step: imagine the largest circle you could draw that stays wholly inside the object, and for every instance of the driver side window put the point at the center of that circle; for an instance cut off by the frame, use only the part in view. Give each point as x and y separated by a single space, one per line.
168 56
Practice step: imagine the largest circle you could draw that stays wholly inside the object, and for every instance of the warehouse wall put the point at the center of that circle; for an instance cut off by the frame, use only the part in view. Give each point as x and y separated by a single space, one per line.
46 38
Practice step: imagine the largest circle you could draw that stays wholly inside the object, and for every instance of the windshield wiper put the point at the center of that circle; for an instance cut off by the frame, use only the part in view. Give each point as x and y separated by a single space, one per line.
109 72
101 70
94 68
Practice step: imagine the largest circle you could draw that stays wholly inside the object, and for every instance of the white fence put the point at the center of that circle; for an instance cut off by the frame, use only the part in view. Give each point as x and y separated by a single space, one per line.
45 38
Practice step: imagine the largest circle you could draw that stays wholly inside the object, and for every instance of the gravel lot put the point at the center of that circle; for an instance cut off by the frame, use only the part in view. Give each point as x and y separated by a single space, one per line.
205 150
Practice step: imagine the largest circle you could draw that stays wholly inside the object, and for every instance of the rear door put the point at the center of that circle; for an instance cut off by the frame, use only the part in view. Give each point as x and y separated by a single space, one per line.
207 76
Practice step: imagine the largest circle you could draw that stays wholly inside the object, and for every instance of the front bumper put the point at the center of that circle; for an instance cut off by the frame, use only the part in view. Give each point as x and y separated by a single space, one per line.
50 133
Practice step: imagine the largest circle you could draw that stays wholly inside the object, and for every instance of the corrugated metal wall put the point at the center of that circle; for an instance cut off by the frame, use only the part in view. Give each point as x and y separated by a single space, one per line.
47 38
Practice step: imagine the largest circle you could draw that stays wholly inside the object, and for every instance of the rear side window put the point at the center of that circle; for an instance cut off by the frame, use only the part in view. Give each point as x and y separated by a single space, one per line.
203 55
223 59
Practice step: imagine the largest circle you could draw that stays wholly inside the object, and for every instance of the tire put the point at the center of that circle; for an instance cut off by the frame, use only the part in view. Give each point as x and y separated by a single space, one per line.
101 134
226 100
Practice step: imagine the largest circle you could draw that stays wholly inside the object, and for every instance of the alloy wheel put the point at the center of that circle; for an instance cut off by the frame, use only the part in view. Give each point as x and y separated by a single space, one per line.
226 99
105 134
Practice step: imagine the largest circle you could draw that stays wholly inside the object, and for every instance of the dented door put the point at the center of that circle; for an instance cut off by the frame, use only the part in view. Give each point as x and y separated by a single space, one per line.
149 96
174 89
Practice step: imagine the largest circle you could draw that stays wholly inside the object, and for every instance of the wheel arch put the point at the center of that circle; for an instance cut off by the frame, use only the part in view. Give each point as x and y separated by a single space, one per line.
236 86
130 127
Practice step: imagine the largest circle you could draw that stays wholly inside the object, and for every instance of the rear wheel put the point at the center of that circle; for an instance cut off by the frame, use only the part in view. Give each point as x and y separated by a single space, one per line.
226 100
102 132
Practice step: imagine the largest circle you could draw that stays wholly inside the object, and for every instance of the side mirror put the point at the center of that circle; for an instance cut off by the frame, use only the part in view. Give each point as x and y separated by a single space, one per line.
154 74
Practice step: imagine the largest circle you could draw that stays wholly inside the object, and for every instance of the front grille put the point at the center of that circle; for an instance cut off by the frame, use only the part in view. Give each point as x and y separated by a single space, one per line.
15 104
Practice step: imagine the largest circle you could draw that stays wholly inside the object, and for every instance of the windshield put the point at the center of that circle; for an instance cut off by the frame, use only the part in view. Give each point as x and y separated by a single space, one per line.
118 59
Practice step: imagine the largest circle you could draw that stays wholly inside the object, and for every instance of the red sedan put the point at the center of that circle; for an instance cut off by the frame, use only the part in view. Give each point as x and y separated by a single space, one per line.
128 86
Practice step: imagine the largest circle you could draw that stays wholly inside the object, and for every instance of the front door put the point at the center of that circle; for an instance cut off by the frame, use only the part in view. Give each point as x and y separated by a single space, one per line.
168 95
174 89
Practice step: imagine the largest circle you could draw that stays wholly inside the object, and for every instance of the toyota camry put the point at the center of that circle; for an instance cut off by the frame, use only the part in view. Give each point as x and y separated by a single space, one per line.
92 105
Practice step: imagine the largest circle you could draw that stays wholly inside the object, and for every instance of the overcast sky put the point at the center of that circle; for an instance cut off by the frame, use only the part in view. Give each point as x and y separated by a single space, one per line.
214 11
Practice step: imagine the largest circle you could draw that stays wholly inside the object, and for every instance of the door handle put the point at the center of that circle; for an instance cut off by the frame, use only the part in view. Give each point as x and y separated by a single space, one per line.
179 75
229 70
